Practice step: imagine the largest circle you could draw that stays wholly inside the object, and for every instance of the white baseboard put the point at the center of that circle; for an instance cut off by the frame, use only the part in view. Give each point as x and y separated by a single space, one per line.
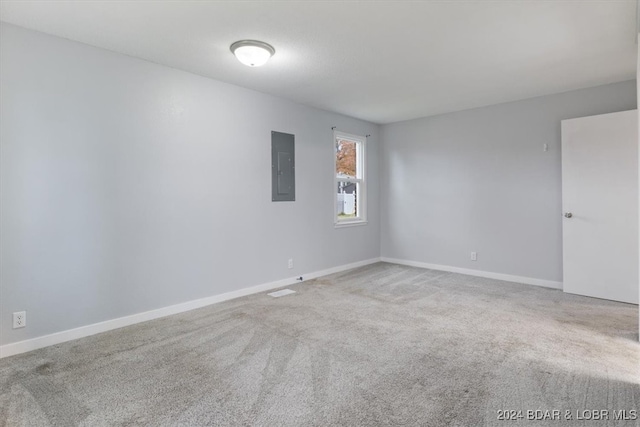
478 273
108 325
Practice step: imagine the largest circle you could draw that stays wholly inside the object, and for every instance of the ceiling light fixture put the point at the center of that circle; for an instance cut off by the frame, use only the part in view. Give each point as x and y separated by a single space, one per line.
253 53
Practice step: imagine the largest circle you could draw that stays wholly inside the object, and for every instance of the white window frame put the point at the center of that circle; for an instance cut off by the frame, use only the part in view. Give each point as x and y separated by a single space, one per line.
360 181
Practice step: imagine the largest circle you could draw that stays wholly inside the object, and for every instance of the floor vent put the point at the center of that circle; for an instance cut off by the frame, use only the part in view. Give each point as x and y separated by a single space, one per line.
281 293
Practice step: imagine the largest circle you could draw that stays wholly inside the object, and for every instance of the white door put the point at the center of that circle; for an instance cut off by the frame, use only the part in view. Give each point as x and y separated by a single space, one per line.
600 203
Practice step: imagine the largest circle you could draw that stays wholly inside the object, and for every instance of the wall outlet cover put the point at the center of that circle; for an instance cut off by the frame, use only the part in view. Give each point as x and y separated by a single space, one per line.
19 319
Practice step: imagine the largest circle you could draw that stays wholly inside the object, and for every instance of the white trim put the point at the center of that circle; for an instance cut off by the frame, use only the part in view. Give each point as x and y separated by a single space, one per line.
108 325
347 223
477 273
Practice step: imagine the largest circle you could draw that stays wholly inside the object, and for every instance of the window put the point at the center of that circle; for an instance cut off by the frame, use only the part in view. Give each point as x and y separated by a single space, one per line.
350 184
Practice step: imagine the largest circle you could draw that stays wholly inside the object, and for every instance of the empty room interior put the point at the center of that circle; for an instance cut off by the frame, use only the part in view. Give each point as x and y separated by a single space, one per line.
319 213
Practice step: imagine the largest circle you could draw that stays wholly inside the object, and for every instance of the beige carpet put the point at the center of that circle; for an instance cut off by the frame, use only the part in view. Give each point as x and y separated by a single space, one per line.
379 345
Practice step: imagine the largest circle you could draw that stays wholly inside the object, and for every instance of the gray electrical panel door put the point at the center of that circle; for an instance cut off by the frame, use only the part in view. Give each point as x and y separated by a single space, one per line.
283 167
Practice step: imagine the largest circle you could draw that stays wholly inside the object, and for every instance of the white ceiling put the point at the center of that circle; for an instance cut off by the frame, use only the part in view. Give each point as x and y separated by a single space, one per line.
381 61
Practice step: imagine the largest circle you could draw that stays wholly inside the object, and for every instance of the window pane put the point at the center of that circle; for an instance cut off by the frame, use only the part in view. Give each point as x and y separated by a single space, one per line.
346 160
347 200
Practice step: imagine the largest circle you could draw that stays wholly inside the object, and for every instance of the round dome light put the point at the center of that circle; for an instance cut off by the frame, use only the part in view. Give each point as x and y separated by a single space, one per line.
253 53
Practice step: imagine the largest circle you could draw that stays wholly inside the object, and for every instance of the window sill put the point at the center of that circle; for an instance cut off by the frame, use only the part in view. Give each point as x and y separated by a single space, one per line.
343 224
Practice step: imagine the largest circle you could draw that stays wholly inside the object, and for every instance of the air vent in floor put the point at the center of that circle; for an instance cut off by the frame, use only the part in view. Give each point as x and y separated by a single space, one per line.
281 293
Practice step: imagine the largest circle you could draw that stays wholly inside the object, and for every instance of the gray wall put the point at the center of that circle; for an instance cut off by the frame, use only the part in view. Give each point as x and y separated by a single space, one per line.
129 186
478 180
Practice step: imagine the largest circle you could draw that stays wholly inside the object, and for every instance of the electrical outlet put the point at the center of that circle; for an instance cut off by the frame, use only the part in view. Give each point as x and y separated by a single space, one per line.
474 256
290 262
19 319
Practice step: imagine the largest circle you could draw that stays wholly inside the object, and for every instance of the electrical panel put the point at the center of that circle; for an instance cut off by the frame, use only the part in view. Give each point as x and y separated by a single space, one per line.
283 167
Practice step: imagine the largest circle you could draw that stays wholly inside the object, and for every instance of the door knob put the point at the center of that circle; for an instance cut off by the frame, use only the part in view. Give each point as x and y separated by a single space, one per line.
568 214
